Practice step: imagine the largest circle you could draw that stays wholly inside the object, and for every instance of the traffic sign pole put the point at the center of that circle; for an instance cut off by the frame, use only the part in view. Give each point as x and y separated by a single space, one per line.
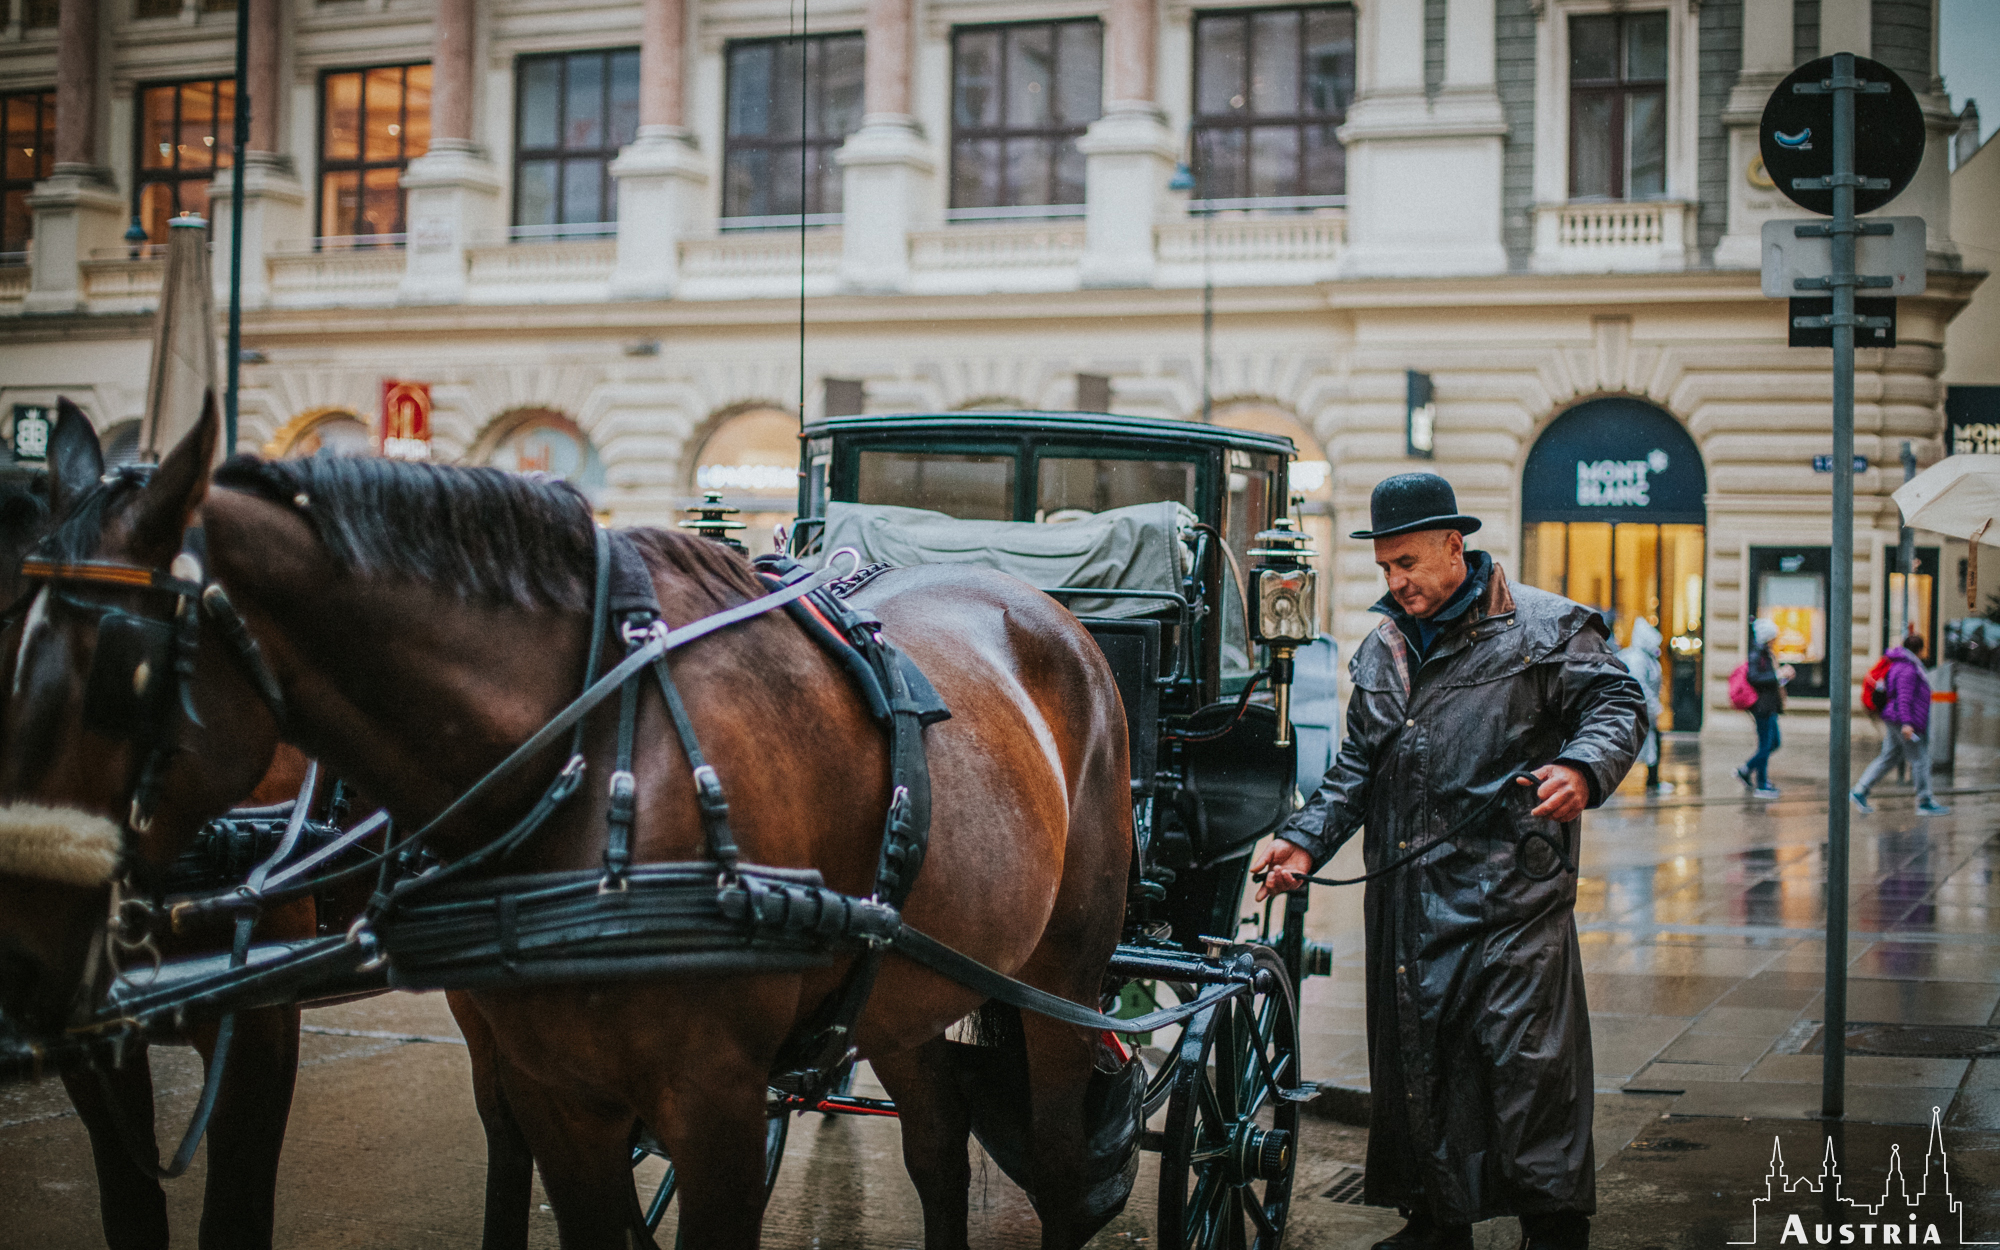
1833 1074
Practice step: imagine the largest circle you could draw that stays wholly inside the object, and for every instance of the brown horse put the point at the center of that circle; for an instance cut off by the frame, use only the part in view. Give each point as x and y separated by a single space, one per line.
423 622
248 1126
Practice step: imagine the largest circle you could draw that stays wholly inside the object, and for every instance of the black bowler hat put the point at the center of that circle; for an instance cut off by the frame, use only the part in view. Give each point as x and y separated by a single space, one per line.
1409 502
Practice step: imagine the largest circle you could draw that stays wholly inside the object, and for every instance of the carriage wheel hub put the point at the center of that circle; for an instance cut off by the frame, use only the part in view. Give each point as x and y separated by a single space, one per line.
1260 1154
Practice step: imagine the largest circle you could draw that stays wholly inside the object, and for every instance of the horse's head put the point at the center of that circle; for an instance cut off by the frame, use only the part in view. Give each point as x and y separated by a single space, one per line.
125 724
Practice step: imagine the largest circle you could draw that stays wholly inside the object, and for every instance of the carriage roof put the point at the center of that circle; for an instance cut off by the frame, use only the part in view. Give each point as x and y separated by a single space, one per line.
1084 425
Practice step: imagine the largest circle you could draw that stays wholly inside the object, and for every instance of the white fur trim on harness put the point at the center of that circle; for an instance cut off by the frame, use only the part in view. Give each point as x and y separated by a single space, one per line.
59 844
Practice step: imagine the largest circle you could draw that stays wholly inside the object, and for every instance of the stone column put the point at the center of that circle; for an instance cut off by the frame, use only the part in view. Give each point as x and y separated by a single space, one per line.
1753 198
1846 26
1129 154
660 173
1424 172
886 165
454 191
77 208
273 198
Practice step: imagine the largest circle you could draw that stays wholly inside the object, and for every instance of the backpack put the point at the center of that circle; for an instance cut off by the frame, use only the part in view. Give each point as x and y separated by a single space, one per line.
1742 695
1875 686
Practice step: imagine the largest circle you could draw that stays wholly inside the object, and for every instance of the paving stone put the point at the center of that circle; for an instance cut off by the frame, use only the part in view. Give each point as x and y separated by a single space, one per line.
1715 1048
1744 1022
1864 1070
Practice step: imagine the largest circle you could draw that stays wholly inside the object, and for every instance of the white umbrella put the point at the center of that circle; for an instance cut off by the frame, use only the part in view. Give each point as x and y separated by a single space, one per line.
1958 496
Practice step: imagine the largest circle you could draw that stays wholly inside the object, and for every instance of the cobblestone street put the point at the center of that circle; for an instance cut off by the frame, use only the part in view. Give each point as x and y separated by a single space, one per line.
1702 921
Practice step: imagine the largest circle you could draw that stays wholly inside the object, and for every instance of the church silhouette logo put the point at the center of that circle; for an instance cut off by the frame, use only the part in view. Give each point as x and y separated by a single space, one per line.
1923 1212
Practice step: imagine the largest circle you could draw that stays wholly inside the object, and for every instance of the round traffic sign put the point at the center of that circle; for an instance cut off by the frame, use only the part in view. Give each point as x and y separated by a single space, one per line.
1796 135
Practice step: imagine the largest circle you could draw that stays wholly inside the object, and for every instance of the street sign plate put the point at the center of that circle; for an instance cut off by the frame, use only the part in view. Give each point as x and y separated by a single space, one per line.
1824 464
1796 135
1898 256
1822 336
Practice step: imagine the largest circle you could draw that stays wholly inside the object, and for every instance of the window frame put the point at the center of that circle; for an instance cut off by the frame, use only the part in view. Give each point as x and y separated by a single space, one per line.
176 177
44 160
1619 91
605 153
1004 133
1198 123
361 165
789 148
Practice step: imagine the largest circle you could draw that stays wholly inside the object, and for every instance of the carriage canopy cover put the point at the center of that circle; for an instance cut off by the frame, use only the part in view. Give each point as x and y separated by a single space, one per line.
1134 548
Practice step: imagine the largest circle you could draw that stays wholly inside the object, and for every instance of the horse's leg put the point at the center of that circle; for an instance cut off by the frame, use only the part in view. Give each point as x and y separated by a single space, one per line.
585 1156
130 1202
1059 1066
510 1168
247 1131
935 1123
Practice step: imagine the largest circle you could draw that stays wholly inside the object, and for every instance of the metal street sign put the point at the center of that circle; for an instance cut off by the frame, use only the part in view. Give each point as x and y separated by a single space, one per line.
1800 250
1796 135
1419 416
1812 322
1824 464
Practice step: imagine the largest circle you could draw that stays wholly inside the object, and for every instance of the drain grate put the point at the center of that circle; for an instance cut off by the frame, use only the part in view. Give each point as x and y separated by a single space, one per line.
1347 1187
1910 1041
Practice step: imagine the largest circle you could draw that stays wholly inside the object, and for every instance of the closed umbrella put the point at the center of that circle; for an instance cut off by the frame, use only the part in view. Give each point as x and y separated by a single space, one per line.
183 372
1959 497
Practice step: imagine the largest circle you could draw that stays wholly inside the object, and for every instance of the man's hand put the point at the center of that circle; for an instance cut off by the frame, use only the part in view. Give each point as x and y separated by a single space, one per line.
1563 792
1909 733
1288 866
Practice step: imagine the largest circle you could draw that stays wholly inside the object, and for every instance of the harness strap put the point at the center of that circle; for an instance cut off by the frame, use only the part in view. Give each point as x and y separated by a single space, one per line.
708 794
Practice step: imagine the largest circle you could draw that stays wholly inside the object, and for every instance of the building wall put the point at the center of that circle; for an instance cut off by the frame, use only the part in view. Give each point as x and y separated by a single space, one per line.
1972 344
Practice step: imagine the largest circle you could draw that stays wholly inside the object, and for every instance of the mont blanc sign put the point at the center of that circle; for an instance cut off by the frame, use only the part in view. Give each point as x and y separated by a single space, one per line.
1615 459
1619 483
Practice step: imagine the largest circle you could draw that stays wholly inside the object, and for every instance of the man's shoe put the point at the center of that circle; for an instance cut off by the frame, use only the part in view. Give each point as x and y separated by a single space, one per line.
1424 1233
1933 808
1861 802
1743 775
1766 792
1556 1230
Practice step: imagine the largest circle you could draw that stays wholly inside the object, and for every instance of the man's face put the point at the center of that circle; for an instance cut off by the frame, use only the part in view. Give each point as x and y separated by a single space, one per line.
1423 569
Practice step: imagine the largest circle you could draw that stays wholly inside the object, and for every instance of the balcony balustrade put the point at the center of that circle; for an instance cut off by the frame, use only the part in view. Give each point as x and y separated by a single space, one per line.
1612 237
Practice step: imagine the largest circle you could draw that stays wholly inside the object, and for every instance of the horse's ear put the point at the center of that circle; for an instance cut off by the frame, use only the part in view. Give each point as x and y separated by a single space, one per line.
75 459
176 489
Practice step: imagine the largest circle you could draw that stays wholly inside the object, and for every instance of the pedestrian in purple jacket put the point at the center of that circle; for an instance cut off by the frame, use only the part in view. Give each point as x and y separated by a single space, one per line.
1906 720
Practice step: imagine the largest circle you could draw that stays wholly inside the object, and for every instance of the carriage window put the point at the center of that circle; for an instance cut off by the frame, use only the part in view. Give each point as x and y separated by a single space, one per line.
971 488
1069 484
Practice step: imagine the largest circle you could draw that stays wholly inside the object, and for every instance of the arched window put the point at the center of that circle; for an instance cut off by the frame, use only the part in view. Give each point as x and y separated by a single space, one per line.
752 457
322 432
1311 481
541 440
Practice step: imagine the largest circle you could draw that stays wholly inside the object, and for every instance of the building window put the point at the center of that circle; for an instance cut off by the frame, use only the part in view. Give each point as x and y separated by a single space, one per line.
573 112
788 114
1618 106
184 136
540 440
1021 97
373 123
41 14
28 119
1270 86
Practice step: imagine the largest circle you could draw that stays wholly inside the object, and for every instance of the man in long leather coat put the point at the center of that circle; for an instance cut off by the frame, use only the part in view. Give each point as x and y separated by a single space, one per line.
1478 1036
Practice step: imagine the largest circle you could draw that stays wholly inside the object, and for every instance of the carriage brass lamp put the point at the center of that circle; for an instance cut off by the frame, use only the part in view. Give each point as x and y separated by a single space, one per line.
711 521
1282 607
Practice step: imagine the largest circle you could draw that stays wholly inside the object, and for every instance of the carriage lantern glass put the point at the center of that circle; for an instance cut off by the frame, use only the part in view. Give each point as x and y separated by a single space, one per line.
1282 610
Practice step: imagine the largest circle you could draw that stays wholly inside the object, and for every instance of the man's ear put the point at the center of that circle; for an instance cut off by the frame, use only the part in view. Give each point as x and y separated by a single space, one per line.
1454 542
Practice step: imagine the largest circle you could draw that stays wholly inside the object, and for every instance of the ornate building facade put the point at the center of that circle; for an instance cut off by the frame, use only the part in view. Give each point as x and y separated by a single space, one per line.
1511 240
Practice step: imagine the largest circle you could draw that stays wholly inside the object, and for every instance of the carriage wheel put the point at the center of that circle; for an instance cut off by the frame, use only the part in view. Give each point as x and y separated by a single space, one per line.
1231 1139
774 1155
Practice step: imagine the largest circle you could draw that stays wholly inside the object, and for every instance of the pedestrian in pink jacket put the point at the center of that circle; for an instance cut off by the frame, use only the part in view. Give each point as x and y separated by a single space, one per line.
1906 717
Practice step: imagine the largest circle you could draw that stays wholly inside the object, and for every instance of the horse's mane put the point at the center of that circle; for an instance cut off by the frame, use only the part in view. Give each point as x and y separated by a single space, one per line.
481 533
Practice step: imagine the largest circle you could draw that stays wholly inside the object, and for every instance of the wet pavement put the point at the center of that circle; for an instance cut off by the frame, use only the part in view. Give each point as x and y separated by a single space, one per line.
1702 915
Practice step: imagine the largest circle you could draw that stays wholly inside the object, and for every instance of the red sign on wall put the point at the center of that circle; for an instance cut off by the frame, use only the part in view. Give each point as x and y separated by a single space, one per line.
406 420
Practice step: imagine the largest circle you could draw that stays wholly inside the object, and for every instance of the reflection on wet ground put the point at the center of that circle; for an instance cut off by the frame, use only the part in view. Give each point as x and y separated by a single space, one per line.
1702 915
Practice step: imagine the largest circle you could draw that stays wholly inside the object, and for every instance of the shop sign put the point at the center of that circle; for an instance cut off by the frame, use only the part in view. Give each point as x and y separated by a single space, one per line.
406 420
1972 420
33 423
1615 459
1419 416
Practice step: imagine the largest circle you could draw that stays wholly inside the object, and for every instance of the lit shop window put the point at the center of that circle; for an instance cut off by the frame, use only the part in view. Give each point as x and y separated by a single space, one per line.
575 110
752 458
1618 106
373 123
548 442
1270 86
792 103
185 134
1021 97
28 119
